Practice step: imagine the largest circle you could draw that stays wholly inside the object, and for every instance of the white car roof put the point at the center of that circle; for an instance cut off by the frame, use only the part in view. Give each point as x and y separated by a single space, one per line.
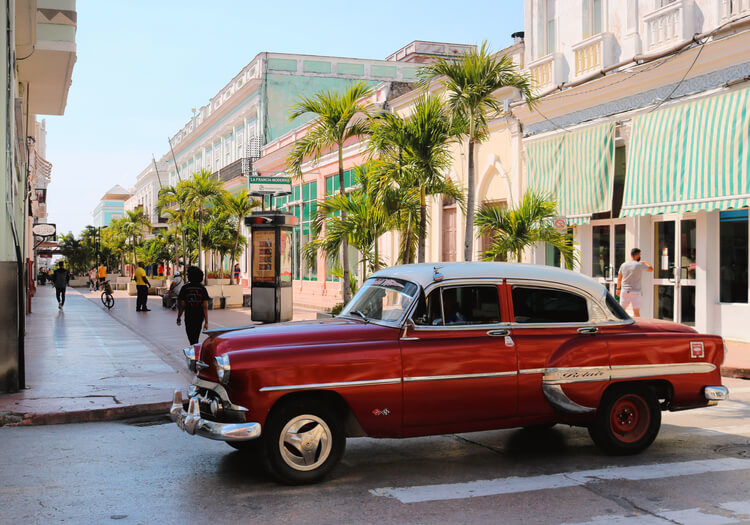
424 274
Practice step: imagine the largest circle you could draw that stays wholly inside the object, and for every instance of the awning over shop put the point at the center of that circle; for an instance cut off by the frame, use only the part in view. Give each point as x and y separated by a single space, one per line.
577 169
691 157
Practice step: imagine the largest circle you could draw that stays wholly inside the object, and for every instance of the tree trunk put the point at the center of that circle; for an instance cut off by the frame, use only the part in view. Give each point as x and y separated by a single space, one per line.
234 254
422 225
200 246
345 242
469 233
376 264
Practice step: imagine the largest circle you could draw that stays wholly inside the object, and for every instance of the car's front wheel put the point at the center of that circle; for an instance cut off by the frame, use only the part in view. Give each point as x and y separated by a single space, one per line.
627 421
302 442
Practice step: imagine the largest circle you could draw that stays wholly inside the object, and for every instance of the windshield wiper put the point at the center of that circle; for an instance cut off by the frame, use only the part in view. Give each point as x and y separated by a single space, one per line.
363 316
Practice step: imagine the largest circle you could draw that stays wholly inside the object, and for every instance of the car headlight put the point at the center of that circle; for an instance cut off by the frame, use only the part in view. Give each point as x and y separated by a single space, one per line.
223 368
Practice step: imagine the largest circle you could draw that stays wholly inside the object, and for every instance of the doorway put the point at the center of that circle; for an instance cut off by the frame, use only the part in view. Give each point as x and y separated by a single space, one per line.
674 269
607 252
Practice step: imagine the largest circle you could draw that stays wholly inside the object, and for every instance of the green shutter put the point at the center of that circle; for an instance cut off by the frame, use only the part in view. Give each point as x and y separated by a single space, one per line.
691 157
576 169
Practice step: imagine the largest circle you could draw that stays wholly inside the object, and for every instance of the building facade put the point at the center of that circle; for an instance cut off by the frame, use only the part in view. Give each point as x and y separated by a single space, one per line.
641 133
144 196
39 51
111 206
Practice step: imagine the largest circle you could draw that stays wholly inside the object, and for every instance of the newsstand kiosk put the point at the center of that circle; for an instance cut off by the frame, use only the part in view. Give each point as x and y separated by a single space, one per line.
271 270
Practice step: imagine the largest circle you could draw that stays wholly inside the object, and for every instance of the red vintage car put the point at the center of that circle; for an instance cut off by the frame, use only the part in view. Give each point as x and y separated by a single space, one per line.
425 349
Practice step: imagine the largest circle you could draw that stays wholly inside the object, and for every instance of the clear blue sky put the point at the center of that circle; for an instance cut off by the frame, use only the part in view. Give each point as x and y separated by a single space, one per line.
142 65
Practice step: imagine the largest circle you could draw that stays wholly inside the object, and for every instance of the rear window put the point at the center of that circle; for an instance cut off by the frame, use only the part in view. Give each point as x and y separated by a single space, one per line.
548 305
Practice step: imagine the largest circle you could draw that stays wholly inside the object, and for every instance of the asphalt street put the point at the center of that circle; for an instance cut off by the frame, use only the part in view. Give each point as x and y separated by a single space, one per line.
148 471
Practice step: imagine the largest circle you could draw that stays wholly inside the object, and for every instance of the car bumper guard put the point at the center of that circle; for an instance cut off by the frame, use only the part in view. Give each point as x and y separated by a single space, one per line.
191 422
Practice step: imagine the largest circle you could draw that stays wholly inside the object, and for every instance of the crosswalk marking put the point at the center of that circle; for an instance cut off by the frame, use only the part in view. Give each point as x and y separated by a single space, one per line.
492 487
739 512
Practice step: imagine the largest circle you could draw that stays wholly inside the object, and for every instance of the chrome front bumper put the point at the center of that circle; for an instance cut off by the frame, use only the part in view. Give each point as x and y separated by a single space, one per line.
716 393
191 422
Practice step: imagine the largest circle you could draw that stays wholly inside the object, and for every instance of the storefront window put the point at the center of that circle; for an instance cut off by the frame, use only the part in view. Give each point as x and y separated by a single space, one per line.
309 209
733 256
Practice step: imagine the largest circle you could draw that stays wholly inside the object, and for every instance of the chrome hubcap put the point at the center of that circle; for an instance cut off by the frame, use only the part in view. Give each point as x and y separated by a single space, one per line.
305 442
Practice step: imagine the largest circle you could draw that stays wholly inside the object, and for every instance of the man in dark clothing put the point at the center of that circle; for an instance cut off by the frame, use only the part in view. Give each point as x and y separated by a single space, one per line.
60 278
193 300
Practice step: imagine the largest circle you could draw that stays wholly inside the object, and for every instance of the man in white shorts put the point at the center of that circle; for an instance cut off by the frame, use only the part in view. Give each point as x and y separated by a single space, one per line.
629 281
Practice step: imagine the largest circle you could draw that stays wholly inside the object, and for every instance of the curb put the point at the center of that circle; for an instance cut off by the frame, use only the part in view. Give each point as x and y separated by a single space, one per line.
736 372
12 419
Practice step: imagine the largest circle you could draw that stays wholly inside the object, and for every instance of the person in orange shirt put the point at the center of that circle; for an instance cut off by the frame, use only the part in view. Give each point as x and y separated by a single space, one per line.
102 274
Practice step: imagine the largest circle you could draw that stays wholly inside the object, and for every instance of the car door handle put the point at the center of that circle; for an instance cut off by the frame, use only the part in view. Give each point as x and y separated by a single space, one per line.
498 333
588 330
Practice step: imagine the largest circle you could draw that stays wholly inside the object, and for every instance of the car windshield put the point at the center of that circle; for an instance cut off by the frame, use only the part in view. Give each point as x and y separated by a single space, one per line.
382 299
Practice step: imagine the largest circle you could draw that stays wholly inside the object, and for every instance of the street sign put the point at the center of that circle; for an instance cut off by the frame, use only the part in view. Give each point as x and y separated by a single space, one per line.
44 230
278 186
561 224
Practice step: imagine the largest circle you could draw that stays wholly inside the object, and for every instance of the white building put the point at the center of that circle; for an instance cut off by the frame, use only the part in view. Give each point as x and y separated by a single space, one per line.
145 194
642 135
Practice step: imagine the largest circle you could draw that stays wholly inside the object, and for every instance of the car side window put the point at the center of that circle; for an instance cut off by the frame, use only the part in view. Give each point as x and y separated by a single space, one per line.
459 305
548 305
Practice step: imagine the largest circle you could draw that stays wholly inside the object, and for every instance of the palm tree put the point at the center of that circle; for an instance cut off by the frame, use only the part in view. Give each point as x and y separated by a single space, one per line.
470 83
355 216
135 225
335 123
419 147
238 206
173 201
202 190
530 222
114 239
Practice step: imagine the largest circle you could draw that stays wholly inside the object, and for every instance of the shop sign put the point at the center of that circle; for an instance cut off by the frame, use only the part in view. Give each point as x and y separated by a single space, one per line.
44 230
278 186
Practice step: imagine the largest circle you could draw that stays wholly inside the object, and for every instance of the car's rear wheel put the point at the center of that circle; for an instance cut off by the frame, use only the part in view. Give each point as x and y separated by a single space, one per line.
302 442
627 421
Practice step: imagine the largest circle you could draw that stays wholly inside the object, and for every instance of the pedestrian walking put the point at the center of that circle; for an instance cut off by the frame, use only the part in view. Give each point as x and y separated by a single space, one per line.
161 270
236 273
170 298
629 281
141 285
193 301
93 275
102 274
60 278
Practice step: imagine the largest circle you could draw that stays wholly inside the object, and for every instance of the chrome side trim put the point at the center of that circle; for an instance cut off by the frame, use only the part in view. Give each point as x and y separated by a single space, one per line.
409 339
559 400
559 376
340 384
526 371
459 376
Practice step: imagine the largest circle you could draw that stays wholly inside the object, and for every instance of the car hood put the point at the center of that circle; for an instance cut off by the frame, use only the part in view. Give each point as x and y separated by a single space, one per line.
296 334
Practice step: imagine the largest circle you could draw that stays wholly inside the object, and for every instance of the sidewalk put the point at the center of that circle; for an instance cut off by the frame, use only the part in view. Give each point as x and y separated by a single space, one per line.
86 363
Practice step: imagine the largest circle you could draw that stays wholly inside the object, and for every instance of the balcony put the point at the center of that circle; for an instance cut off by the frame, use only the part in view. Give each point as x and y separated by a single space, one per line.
670 25
734 9
47 38
235 169
546 72
593 54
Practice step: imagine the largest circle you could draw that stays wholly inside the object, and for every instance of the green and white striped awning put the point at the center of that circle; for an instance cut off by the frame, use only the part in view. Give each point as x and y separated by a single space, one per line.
691 157
576 169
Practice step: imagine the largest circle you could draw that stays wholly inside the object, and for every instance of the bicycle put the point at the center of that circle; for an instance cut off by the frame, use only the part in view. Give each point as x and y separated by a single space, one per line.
107 298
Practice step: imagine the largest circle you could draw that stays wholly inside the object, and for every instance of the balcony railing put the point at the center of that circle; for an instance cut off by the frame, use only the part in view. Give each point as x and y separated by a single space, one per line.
230 171
592 54
670 25
734 8
546 72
